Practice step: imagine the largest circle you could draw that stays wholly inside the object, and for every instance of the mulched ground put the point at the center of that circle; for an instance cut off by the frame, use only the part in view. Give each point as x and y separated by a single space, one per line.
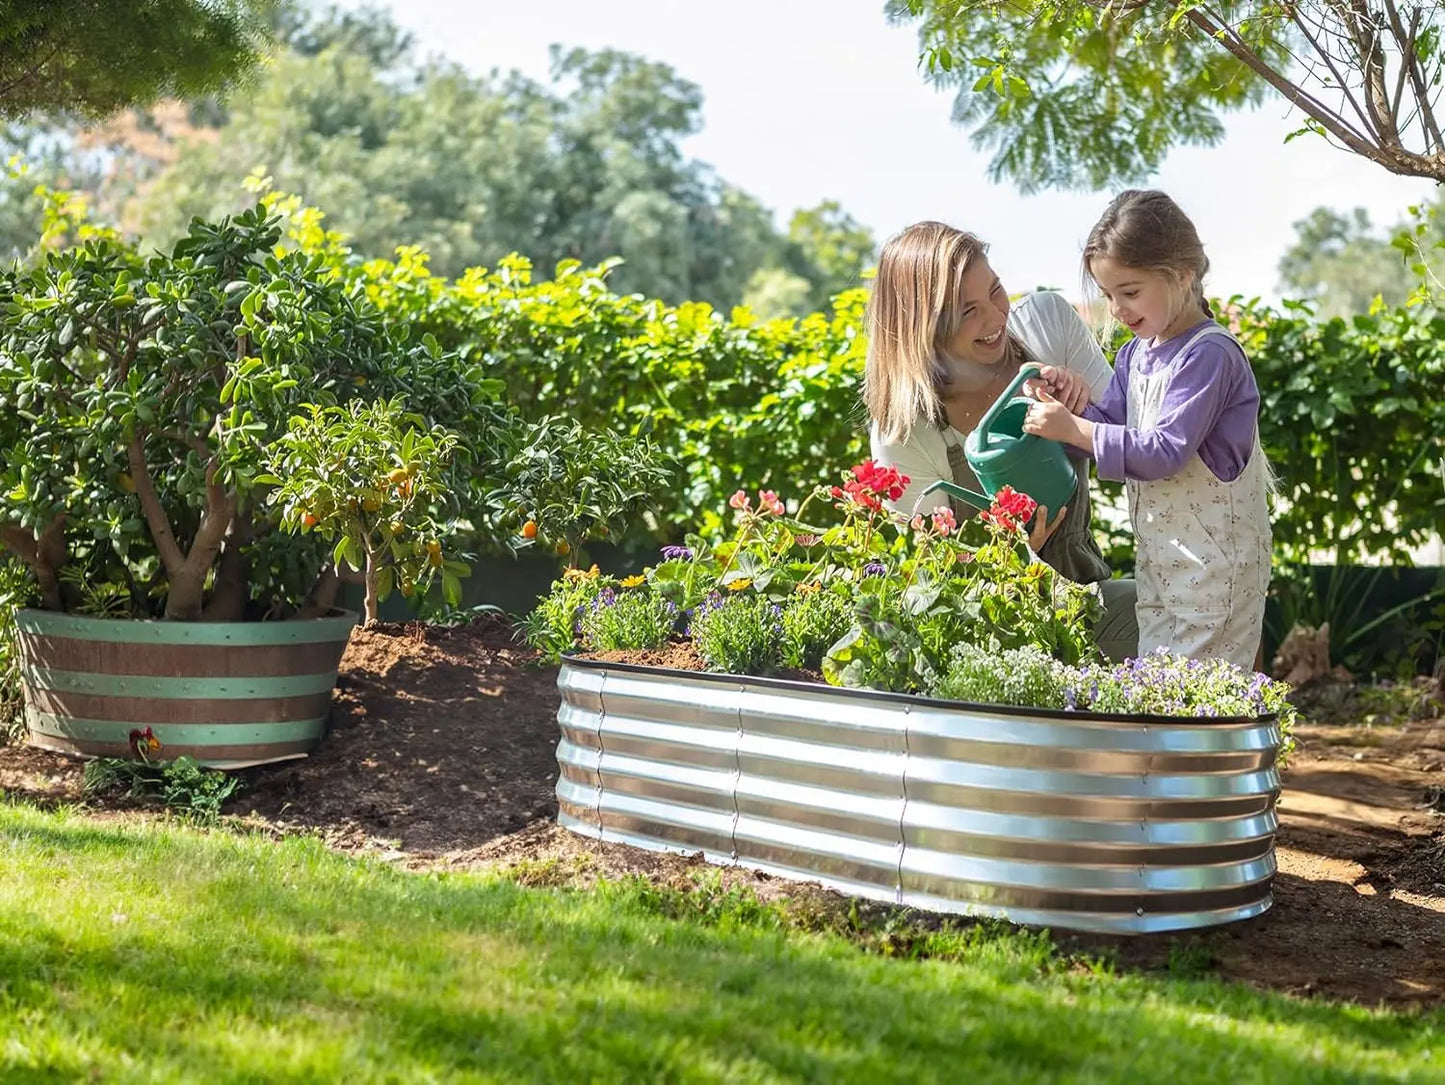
441 754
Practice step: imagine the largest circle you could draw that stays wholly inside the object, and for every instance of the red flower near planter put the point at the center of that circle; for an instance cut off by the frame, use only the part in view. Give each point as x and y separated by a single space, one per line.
143 741
870 484
1010 510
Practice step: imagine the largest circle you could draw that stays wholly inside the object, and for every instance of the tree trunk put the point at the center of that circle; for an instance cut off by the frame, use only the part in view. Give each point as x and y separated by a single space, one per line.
45 556
321 600
373 575
231 590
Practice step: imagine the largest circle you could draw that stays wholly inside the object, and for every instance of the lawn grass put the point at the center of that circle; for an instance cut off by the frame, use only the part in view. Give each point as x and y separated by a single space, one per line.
161 953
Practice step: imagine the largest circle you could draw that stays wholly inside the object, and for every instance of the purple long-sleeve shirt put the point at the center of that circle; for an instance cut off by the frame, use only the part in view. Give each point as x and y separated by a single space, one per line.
1211 406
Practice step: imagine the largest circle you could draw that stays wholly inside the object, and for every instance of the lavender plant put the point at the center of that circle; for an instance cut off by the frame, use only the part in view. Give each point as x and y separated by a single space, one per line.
626 621
740 635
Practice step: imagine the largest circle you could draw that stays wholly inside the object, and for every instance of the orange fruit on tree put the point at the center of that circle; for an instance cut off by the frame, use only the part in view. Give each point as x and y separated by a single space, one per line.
529 529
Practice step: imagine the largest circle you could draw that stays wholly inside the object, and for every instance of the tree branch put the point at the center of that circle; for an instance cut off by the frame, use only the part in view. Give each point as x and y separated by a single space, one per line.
156 519
1410 63
1395 161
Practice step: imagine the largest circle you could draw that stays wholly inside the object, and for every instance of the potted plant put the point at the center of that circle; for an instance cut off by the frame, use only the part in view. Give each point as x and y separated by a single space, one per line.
912 710
152 407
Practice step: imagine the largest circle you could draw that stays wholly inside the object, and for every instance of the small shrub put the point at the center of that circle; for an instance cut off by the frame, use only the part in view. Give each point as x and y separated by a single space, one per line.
740 635
627 621
181 785
554 625
1027 676
812 623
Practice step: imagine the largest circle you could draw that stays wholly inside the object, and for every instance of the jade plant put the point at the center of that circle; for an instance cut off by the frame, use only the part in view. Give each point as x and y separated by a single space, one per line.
145 398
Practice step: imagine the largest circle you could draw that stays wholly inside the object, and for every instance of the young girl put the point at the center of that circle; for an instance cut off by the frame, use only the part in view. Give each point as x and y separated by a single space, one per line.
944 340
1179 423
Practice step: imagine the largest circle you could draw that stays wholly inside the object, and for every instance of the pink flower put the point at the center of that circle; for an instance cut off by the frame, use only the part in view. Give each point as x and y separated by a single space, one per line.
806 541
943 520
917 522
768 501
739 500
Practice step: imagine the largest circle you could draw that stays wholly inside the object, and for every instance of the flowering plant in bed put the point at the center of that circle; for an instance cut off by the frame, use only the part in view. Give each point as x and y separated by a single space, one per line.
869 598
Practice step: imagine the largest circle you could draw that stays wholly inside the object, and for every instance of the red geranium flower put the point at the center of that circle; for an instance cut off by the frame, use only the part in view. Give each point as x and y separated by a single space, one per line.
1010 510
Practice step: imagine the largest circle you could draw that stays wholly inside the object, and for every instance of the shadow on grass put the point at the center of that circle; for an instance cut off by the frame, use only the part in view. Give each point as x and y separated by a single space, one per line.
303 962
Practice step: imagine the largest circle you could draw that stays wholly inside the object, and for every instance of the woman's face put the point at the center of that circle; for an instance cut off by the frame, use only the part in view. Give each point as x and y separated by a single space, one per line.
984 307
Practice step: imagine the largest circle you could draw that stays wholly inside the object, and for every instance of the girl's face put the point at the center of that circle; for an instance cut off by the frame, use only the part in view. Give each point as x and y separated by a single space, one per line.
1149 303
984 308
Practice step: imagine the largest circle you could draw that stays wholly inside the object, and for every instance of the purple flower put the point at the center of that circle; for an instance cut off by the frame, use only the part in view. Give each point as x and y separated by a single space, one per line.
677 553
875 568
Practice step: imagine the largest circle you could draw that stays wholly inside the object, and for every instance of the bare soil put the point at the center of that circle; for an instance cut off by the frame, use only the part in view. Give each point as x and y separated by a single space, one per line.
441 754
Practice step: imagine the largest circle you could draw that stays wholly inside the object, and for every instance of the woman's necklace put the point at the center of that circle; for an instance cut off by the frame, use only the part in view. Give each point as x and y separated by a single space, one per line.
964 408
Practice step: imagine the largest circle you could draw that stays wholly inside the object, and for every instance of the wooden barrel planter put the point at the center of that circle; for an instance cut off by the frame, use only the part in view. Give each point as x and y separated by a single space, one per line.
228 694
1081 820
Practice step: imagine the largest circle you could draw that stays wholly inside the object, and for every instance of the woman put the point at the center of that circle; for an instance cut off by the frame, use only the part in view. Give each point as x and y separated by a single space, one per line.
943 343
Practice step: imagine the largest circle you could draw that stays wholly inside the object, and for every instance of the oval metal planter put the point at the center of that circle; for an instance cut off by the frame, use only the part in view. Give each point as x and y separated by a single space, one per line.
225 693
1077 820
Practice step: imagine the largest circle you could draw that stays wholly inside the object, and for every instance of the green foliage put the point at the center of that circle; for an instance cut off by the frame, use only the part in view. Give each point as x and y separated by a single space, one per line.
1080 95
96 56
144 396
813 621
16 590
1350 490
1087 94
567 483
874 600
405 150
1025 676
181 785
741 634
370 479
553 625
630 621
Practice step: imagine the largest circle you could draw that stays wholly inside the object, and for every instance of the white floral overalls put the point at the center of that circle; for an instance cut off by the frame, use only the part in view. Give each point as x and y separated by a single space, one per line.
1203 545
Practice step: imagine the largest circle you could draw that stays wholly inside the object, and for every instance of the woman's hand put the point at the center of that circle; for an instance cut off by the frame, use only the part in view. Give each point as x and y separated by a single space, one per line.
1063 385
1043 529
1050 418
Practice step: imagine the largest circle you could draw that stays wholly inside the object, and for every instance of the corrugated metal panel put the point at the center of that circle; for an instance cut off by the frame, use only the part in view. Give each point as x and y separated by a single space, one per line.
1073 820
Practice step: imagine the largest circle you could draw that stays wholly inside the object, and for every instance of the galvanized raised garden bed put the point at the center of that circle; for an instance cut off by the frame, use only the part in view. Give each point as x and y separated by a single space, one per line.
1075 820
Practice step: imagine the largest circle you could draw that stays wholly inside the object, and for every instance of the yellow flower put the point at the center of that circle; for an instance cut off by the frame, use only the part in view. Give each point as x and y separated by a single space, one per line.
809 589
633 581
739 584
578 574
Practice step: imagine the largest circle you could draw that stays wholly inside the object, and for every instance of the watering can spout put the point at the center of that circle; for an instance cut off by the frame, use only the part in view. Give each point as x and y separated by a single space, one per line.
953 489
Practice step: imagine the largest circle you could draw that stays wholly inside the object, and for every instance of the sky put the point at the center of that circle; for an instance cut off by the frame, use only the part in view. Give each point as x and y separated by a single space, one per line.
806 100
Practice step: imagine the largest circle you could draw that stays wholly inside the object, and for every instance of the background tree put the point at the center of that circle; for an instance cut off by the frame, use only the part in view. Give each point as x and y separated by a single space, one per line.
1341 263
93 57
585 165
1093 93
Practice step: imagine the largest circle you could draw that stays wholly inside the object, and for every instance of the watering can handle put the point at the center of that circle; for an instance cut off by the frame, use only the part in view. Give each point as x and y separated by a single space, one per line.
977 500
985 424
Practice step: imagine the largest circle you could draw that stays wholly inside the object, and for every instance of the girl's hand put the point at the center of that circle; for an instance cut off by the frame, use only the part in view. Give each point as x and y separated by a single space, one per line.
1050 418
1061 384
1042 529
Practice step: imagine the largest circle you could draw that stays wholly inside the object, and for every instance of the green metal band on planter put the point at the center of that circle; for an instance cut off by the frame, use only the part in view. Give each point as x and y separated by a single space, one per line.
217 689
176 734
126 631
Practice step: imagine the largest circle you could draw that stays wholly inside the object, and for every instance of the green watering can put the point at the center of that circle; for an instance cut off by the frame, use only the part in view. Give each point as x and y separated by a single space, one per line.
1002 454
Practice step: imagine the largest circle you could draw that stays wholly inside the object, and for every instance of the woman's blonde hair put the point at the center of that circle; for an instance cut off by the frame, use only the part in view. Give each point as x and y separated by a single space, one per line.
914 312
1145 229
